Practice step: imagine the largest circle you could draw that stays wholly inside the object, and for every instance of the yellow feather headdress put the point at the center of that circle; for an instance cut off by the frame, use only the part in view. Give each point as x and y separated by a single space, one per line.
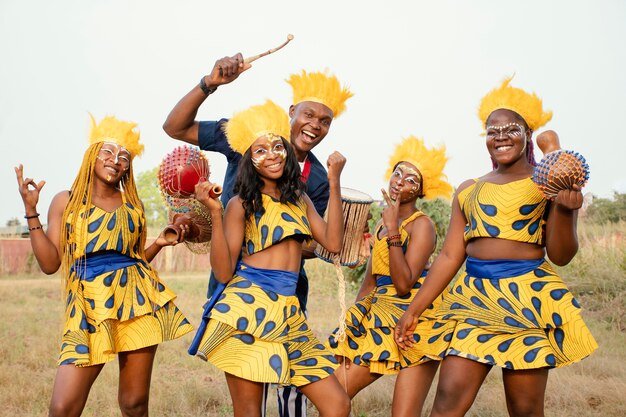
111 129
248 125
429 162
529 106
321 88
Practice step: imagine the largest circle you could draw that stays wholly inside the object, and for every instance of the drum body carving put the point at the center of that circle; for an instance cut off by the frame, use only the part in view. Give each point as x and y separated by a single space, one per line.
356 207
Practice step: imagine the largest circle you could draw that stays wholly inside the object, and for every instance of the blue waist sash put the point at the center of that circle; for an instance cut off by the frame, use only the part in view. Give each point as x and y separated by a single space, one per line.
100 263
500 268
386 279
275 280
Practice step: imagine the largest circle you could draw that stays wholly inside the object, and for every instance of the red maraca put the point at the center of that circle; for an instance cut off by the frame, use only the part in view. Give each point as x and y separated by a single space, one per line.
558 169
180 171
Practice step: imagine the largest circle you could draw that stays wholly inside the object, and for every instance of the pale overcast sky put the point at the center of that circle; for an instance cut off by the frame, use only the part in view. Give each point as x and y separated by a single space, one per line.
415 67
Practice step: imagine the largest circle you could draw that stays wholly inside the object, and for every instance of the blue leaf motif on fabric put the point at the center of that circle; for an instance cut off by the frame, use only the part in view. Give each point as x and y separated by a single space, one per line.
268 327
556 318
250 247
458 306
575 303
474 322
94 225
242 323
120 312
502 302
245 338
526 209
140 298
259 315
376 337
520 224
307 362
377 321
124 278
531 340
110 302
277 235
493 231
112 221
294 355
514 322
504 346
83 322
478 302
490 360
538 285
385 330
551 360
489 209
540 273
559 337
537 304
558 294
473 223
384 355
288 218
534 226
245 297
367 356
462 334
352 344
82 349
120 243
264 234
244 283
91 245
222 307
276 364
531 355
530 316
485 337
514 288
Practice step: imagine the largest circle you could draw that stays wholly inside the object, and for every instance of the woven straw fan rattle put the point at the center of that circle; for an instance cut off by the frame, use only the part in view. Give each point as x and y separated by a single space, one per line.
558 169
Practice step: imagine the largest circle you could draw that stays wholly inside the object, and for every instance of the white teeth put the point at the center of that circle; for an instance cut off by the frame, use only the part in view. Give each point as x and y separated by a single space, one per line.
309 134
504 148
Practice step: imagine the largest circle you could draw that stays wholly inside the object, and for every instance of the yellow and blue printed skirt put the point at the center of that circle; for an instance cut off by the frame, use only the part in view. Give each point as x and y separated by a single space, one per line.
254 328
370 327
116 304
516 314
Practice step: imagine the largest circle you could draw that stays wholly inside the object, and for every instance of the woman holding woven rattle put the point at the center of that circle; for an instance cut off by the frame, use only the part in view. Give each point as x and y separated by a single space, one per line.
509 308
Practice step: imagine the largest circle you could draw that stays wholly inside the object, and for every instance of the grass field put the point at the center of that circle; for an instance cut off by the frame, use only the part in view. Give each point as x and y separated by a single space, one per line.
31 320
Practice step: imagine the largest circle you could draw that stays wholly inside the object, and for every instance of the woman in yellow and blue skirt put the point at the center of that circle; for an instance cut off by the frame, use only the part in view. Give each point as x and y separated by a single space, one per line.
509 308
404 241
253 327
116 304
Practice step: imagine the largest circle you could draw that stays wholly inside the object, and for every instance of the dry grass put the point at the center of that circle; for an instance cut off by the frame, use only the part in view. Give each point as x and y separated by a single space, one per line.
31 311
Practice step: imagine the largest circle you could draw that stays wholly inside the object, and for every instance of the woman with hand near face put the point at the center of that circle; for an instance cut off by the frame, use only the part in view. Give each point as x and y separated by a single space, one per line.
255 330
404 241
509 308
116 304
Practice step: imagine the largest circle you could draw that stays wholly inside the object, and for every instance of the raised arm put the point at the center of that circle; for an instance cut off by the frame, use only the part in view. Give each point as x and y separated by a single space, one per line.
329 234
46 245
561 226
226 234
180 123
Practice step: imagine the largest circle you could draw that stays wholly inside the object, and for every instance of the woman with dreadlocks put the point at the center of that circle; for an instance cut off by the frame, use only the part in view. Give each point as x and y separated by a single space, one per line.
115 302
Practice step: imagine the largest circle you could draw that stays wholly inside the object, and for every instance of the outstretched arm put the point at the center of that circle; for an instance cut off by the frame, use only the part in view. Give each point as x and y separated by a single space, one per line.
46 245
439 276
180 123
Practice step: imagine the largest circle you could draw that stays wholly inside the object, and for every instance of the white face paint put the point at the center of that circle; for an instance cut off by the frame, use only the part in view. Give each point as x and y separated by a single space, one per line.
118 153
511 130
404 174
272 147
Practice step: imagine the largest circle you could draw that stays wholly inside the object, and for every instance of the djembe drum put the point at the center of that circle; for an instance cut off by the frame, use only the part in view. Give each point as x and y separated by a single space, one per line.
356 207
179 172
558 169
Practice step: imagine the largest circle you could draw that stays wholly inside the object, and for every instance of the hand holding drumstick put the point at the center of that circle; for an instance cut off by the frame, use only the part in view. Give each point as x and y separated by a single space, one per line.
227 69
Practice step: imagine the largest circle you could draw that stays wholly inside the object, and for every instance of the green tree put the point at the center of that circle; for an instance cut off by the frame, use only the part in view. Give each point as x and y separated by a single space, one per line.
153 203
605 210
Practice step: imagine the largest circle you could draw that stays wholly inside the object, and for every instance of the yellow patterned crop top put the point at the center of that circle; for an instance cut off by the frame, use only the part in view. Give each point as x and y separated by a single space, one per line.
512 211
380 251
277 223
119 230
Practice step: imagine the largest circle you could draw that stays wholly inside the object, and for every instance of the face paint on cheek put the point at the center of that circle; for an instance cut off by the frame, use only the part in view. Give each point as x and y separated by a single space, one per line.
257 161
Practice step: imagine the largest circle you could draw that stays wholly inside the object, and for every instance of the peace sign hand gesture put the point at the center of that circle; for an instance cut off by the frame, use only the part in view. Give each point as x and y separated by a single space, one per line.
390 213
30 196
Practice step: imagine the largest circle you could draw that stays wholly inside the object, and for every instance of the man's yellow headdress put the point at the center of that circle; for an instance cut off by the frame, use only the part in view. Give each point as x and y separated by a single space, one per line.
110 129
429 162
529 106
262 120
321 88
